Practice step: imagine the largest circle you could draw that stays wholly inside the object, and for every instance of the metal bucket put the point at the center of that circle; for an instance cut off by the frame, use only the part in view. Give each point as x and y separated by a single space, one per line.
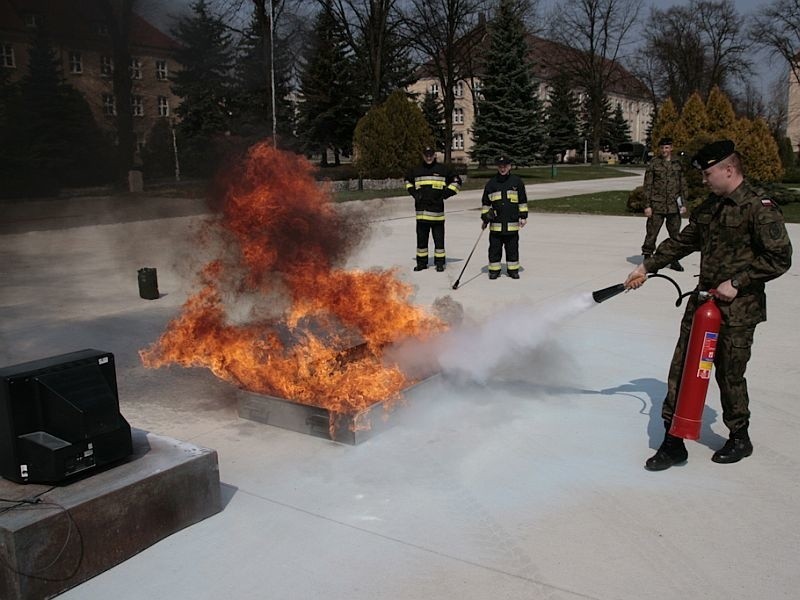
148 283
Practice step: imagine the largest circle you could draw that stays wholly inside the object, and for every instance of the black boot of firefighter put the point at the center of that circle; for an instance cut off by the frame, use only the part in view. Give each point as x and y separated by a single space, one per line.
671 452
735 449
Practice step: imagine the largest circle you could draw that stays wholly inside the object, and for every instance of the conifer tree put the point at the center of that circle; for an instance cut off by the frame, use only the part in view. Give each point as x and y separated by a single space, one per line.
389 138
721 117
252 106
561 118
509 119
434 116
49 125
204 83
619 131
330 107
758 150
667 124
694 119
602 121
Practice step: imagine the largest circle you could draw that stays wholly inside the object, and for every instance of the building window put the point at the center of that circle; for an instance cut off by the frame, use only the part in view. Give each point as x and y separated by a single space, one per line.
7 56
163 106
101 28
109 106
137 106
140 142
458 116
458 141
435 90
135 68
161 70
32 21
75 62
477 90
106 66
458 89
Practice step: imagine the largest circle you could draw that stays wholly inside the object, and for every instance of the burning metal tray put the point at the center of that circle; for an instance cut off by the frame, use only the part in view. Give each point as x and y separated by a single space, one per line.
346 428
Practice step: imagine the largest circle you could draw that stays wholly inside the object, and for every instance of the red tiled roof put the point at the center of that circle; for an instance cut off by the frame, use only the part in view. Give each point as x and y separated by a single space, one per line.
78 20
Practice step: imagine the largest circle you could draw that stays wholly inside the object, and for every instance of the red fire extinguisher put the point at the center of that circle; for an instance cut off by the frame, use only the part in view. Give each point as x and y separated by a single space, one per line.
697 365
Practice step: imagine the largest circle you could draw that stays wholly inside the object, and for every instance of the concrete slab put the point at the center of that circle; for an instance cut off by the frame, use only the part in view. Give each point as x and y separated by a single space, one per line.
56 537
523 482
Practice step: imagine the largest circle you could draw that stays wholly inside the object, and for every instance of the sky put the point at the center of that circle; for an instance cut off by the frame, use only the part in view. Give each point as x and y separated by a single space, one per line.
766 70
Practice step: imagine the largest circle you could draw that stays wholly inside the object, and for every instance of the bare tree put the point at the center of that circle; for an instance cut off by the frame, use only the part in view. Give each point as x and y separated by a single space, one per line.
595 31
438 31
373 32
776 27
697 47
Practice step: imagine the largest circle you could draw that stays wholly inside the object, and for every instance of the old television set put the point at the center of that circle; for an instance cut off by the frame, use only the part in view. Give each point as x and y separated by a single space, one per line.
59 417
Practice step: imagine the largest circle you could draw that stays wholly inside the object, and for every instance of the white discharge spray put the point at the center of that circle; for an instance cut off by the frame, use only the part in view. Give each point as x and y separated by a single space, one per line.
475 351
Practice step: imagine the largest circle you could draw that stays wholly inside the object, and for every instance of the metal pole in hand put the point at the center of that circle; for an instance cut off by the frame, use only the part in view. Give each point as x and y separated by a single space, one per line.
466 262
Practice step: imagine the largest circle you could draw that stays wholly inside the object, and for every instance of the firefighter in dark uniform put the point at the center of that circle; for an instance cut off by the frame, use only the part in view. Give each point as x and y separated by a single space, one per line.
743 244
504 209
665 195
429 184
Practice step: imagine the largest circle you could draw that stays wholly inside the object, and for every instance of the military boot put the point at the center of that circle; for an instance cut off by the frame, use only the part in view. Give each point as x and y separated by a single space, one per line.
676 266
735 449
494 274
671 452
513 274
439 268
420 267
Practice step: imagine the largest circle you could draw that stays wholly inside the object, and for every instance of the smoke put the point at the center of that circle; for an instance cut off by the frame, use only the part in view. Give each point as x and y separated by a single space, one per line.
475 352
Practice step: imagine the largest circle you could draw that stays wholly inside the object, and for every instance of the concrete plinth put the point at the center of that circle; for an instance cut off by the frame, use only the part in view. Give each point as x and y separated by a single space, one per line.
54 539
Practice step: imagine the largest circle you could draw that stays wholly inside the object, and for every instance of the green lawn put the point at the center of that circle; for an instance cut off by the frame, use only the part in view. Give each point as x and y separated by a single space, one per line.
477 178
613 203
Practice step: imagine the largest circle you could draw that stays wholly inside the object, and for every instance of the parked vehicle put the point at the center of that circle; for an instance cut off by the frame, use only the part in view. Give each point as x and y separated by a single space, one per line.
633 153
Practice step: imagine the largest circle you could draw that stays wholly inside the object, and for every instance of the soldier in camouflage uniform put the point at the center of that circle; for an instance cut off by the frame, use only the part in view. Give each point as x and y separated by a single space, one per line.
743 243
664 197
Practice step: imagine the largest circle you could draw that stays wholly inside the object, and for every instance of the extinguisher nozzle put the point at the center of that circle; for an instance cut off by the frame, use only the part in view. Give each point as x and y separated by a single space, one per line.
609 292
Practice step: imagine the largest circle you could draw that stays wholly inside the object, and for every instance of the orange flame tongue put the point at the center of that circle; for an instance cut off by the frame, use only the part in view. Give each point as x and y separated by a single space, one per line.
287 236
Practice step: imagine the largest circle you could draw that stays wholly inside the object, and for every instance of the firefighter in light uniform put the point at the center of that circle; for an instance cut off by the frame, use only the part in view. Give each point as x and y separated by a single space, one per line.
504 209
743 244
429 184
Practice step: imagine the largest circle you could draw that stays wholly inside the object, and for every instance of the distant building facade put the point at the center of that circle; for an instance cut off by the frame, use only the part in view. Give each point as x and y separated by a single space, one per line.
793 110
79 36
626 90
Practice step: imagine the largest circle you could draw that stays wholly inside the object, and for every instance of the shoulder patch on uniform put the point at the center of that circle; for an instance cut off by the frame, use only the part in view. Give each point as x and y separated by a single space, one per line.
767 202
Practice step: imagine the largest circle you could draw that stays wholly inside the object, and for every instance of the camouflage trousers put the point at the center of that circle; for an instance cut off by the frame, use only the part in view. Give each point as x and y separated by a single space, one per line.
730 362
654 223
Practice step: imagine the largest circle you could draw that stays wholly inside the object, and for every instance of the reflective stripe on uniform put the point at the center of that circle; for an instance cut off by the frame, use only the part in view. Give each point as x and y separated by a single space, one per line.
495 196
426 215
499 227
512 266
513 197
437 182
494 266
422 253
438 253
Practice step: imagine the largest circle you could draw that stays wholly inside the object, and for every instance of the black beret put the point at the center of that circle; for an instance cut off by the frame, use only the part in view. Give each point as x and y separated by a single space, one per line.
712 153
428 151
502 160
665 141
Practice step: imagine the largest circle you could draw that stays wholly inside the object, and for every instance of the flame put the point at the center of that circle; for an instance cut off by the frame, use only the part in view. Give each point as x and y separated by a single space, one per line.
317 333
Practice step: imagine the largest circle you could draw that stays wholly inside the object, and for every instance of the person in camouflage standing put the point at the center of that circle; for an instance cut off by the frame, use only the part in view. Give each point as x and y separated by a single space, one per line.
665 193
743 243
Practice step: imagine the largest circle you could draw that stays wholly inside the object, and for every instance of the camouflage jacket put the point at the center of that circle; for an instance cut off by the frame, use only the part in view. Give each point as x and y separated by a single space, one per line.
664 181
741 237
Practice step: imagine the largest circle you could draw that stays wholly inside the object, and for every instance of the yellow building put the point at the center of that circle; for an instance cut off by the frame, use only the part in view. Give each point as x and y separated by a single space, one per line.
544 57
80 38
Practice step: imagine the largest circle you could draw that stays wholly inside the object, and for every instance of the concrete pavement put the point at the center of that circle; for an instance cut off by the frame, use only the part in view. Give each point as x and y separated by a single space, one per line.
527 483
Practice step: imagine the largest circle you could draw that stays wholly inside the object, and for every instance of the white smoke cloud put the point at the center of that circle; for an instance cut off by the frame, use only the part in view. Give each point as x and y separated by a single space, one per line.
476 351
